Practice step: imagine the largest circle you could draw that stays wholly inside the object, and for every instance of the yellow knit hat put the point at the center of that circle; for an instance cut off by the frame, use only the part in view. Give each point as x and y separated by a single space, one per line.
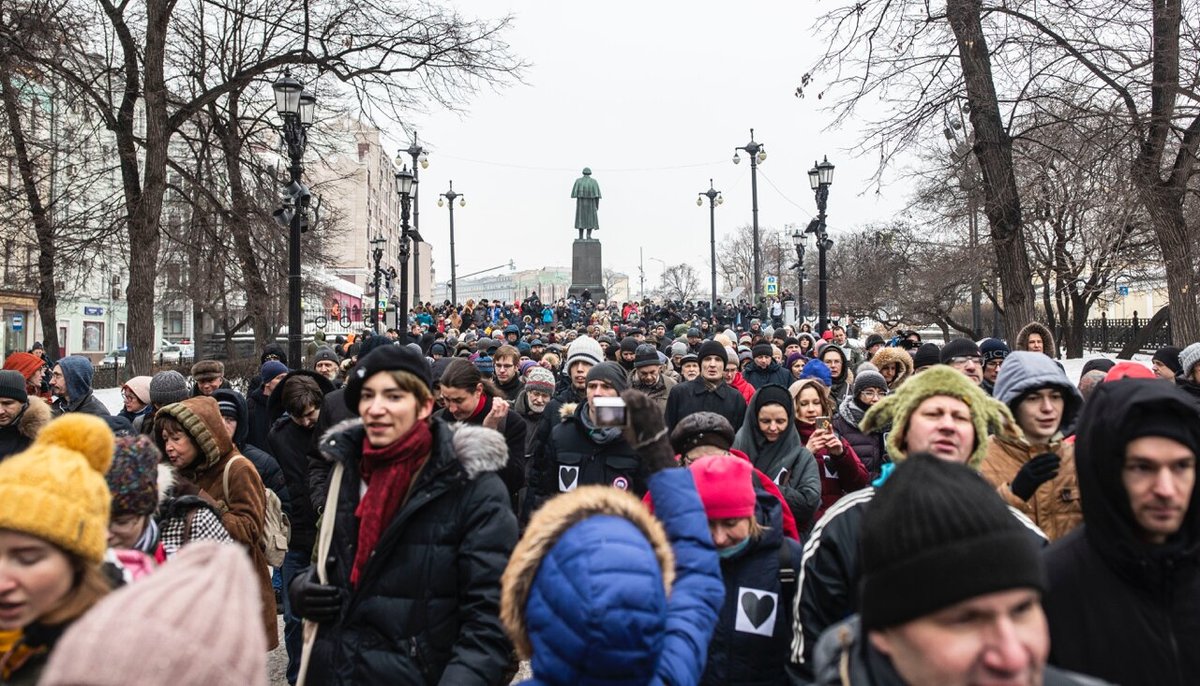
55 488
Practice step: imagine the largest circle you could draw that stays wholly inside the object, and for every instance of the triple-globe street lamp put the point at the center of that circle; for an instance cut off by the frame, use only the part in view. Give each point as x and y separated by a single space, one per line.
820 177
714 199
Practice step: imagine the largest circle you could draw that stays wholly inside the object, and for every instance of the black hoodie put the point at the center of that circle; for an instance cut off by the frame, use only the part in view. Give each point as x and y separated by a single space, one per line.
290 444
1121 609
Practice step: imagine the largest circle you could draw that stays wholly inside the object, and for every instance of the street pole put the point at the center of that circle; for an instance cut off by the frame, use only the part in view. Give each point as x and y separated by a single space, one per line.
296 107
376 253
820 177
798 240
405 186
420 160
757 154
714 199
449 196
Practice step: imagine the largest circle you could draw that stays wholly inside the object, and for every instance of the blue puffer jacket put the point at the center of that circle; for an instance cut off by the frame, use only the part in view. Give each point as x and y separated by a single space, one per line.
595 610
750 646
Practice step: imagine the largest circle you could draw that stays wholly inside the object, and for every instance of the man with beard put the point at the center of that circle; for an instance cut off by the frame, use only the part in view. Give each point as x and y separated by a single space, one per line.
648 376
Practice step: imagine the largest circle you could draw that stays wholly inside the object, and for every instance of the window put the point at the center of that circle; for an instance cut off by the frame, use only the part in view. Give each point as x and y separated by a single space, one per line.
174 323
62 340
172 273
121 335
93 337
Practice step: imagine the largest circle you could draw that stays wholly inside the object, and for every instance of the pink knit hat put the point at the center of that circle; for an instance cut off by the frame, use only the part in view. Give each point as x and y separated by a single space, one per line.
195 622
725 486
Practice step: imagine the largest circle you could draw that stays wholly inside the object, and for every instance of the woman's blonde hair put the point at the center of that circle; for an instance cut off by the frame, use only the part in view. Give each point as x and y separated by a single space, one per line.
90 587
822 393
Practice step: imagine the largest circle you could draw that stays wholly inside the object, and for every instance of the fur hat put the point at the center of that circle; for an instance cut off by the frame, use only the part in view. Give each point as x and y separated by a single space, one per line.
887 356
55 488
168 387
987 414
207 370
206 596
133 476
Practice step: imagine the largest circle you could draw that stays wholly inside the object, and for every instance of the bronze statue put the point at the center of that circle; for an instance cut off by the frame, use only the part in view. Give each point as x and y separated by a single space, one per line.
587 203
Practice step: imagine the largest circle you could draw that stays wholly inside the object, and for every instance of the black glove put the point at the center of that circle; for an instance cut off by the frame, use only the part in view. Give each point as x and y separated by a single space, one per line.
313 600
646 431
1034 473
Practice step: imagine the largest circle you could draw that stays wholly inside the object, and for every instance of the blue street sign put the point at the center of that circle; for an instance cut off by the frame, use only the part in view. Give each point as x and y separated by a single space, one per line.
1123 291
18 322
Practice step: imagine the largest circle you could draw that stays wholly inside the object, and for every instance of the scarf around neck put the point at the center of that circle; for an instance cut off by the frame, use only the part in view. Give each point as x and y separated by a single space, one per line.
388 472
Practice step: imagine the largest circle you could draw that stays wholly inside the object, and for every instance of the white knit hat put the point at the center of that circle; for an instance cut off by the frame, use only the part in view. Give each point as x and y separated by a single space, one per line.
1188 357
584 349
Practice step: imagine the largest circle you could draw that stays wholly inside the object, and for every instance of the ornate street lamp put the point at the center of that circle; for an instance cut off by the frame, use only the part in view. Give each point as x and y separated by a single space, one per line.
377 253
448 197
405 184
820 177
758 155
296 108
799 239
420 160
714 199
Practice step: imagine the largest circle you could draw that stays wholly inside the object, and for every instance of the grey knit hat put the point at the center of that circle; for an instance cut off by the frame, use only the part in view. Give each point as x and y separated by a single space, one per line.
584 349
168 387
1188 358
12 386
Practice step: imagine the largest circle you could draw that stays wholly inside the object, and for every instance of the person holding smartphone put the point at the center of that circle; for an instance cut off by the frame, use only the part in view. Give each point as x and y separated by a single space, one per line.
841 470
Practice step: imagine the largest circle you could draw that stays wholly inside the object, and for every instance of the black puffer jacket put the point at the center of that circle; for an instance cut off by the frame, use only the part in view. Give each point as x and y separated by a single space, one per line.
1121 609
427 607
572 457
830 573
290 444
868 446
754 630
694 396
513 428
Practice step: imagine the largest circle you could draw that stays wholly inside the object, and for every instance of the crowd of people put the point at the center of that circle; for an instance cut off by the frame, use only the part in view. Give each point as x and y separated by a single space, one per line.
638 494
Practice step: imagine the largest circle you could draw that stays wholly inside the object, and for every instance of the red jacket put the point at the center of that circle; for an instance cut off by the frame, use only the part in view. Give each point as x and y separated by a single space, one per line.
741 385
839 476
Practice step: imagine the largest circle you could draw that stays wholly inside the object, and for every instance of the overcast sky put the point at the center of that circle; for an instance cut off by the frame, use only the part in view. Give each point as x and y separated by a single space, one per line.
654 97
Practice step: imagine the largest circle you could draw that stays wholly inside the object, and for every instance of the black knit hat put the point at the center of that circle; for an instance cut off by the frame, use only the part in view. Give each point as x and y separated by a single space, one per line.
647 356
629 344
1169 355
12 386
959 347
384 358
937 534
761 349
711 347
610 373
927 355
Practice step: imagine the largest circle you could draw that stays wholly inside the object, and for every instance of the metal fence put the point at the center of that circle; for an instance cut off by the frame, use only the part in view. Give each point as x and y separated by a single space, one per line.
1107 335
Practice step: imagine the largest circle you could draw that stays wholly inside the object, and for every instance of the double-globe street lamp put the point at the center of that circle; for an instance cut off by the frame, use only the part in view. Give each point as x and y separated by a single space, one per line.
448 197
420 160
758 155
377 253
820 177
405 186
714 199
799 239
296 108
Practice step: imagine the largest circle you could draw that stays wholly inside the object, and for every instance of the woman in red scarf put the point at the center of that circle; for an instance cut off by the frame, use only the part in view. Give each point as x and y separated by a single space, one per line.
421 533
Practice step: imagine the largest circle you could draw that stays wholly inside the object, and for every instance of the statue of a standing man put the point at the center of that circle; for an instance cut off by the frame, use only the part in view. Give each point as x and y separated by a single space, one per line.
587 203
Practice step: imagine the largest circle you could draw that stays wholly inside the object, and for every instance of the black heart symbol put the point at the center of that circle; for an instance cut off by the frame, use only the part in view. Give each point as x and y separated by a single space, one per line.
757 609
567 475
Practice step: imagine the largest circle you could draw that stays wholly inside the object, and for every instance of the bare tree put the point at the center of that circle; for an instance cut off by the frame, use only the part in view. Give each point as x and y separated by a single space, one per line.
679 282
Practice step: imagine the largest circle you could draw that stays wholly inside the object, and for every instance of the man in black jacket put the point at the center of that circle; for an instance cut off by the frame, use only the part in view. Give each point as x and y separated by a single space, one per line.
580 453
709 392
1124 596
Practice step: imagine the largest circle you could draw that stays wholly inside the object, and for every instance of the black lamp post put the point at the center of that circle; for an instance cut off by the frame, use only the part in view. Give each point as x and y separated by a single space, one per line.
405 185
377 253
420 160
798 240
714 199
820 177
758 155
296 108
448 197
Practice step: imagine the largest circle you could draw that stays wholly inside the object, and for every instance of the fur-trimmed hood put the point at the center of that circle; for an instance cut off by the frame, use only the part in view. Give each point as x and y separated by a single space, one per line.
1049 347
611 564
36 415
478 449
885 356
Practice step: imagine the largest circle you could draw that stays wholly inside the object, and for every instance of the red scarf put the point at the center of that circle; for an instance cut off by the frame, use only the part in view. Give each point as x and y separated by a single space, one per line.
388 473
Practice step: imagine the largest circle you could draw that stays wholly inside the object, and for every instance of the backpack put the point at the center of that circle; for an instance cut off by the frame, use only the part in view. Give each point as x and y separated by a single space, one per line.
277 529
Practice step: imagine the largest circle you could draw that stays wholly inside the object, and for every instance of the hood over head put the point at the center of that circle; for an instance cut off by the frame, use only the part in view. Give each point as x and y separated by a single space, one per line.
1048 346
77 372
585 592
1116 413
200 417
1024 372
889 355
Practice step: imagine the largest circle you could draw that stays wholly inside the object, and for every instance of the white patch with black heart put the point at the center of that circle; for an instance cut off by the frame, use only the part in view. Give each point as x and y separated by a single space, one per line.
756 611
568 478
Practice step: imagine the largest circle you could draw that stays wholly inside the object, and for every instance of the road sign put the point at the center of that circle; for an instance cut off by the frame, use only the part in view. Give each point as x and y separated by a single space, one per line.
18 322
771 286
1123 291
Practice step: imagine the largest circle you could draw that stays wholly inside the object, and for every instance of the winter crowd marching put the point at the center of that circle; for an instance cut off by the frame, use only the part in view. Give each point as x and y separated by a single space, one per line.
650 493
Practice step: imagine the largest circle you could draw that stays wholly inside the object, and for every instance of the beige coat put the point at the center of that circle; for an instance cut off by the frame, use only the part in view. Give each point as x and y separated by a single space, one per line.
1055 505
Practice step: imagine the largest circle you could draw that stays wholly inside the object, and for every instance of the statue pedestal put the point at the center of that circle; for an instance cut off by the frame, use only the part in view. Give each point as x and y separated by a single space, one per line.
586 270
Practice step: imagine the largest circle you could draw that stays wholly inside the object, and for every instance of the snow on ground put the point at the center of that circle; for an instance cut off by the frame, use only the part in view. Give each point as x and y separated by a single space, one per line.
111 397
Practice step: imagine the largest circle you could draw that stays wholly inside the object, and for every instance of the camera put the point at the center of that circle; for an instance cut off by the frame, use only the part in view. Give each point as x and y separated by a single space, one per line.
609 411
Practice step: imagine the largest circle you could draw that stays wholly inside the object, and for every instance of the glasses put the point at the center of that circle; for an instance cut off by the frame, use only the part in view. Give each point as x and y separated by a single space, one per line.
963 360
873 394
993 364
